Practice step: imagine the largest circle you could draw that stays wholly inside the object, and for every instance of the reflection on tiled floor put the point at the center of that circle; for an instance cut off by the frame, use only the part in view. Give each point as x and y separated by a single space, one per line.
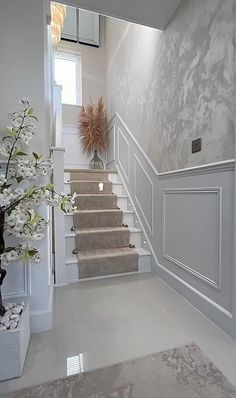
102 322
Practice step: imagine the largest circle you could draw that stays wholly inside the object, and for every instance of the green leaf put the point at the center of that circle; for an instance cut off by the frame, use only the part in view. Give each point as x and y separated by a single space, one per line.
35 155
19 179
32 252
20 153
49 186
11 132
63 207
31 191
30 111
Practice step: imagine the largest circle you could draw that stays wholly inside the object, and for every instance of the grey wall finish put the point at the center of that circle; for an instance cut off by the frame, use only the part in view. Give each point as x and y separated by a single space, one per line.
174 86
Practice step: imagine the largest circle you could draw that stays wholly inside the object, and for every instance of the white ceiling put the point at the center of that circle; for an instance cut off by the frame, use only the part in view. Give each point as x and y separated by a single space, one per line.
154 13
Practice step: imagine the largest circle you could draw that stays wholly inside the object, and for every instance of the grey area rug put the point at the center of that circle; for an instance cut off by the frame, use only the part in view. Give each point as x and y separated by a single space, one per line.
183 372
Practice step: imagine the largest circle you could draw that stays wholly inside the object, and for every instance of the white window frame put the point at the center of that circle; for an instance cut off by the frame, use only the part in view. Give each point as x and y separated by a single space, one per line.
72 55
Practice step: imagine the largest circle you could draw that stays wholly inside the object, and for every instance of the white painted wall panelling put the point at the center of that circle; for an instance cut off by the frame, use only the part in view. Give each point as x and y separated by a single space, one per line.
187 220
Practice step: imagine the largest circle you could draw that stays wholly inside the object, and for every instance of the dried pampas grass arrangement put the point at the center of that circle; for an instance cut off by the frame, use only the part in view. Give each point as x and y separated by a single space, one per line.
93 127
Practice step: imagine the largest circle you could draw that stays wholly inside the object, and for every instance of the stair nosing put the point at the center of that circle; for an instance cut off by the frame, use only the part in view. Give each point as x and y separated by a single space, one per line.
89 181
100 210
102 229
144 253
90 171
112 195
97 211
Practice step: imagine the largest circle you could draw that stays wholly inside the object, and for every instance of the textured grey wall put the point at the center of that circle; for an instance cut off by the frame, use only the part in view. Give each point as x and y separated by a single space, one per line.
174 86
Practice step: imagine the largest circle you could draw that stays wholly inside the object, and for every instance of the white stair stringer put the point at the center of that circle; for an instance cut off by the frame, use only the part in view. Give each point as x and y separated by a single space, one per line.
129 218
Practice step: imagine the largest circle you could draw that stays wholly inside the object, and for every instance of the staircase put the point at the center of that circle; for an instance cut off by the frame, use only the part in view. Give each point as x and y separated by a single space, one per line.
101 239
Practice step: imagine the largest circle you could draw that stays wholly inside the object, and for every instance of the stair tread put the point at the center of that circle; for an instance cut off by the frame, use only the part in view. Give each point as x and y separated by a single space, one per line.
103 253
100 229
92 181
100 210
97 195
90 171
97 211
142 252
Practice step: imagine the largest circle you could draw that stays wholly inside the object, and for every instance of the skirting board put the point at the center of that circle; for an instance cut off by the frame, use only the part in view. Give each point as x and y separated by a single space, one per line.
207 307
42 321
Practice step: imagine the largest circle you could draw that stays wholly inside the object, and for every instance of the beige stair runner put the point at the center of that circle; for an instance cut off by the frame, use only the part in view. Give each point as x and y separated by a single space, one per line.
102 243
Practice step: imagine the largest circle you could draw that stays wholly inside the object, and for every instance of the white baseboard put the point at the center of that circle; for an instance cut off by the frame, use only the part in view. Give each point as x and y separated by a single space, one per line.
42 321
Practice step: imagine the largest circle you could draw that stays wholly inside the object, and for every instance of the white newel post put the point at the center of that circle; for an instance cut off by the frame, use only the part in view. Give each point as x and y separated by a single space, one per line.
59 218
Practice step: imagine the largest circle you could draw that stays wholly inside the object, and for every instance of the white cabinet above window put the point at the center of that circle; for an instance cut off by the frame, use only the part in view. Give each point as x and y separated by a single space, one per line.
69 31
88 28
81 26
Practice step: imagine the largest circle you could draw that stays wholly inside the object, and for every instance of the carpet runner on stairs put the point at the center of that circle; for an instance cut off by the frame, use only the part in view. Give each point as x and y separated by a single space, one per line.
102 243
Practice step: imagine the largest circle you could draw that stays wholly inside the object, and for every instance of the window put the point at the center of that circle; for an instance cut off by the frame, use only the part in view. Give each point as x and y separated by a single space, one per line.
68 75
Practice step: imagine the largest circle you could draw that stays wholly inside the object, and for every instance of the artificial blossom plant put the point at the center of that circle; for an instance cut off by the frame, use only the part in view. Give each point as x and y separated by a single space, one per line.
19 196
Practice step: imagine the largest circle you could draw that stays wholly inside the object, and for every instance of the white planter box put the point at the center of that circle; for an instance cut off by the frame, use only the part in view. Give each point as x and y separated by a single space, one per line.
13 347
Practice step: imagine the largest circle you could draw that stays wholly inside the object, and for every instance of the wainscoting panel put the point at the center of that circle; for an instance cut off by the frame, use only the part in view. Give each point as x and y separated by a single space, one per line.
74 156
196 230
17 281
187 218
183 241
143 193
123 153
111 147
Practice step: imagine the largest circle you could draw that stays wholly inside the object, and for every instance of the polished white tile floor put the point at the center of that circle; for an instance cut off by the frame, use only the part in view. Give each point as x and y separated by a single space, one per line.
102 322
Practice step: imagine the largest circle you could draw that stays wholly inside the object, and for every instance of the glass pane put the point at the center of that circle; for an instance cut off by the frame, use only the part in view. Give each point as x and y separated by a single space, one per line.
65 76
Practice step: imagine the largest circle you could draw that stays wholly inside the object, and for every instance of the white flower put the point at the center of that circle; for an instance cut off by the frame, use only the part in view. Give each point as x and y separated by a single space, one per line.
4 149
9 256
2 179
6 196
36 258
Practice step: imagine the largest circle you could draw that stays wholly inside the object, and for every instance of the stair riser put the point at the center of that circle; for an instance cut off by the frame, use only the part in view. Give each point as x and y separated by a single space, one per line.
135 239
70 246
118 189
96 202
103 219
72 269
128 219
67 188
122 203
108 266
113 177
69 223
103 240
91 187
89 176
